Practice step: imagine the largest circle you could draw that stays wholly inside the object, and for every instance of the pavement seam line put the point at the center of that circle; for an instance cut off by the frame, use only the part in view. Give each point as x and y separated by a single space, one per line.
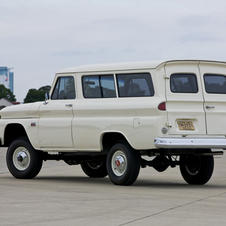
172 208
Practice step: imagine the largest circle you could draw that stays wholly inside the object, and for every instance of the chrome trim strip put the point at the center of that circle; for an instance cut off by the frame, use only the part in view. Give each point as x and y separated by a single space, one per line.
190 142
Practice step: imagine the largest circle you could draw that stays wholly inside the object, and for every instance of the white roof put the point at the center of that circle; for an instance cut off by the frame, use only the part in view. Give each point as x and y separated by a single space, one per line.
125 66
113 66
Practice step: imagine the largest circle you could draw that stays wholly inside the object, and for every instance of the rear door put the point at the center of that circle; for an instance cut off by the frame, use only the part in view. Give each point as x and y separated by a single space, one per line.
184 96
214 86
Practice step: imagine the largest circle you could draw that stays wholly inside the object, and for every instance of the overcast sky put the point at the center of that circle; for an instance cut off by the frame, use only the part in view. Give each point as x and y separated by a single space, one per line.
40 37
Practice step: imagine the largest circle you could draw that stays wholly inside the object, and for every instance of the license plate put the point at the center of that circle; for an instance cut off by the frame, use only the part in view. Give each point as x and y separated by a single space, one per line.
185 125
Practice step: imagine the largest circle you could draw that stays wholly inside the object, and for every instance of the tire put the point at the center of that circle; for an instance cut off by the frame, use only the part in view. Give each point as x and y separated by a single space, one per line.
196 169
123 164
95 169
23 161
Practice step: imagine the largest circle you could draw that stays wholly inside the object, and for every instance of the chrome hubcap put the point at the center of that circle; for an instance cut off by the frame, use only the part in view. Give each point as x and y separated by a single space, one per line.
21 158
119 163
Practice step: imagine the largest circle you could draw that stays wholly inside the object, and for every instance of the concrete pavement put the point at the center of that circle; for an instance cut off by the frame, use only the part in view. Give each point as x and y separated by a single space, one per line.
64 195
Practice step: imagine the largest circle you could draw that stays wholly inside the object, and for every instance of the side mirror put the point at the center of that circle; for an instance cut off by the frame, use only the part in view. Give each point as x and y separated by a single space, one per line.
46 98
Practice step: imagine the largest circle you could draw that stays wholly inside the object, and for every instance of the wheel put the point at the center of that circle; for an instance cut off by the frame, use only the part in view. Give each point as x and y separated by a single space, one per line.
196 169
123 164
23 161
95 169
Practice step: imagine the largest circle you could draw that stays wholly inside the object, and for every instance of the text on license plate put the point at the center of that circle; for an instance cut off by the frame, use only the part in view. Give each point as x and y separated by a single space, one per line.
185 125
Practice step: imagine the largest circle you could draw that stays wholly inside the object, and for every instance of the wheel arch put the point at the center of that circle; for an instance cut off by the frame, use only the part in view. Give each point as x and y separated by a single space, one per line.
12 132
110 138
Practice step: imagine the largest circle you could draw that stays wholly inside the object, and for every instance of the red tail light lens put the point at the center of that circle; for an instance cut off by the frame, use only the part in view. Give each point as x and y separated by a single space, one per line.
162 106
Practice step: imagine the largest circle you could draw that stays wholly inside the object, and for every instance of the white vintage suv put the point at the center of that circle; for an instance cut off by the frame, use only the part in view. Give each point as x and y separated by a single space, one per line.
113 119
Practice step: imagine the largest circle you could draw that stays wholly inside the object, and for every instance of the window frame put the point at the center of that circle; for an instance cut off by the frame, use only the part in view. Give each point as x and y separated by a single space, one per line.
100 86
139 76
58 82
182 73
212 74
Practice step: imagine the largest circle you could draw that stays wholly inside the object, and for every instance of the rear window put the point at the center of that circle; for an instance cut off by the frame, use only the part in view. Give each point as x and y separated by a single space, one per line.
215 83
135 85
183 83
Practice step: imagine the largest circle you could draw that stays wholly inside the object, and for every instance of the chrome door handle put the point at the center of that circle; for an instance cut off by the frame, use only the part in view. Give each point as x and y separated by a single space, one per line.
69 105
208 107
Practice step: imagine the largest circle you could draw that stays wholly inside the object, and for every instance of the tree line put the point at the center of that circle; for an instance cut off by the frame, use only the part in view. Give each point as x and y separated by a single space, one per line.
33 95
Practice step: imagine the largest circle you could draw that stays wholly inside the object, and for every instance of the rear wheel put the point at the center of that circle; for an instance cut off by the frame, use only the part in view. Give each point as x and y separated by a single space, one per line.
95 169
23 161
196 169
123 164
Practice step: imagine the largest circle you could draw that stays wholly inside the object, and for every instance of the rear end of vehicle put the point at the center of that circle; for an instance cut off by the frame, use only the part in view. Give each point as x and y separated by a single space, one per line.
196 116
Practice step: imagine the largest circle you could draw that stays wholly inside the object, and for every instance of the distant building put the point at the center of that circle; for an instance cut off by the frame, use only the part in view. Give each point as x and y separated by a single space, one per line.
11 81
5 103
7 78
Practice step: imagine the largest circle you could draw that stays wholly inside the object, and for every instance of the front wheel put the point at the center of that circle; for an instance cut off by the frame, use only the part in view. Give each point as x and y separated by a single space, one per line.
196 169
23 161
123 164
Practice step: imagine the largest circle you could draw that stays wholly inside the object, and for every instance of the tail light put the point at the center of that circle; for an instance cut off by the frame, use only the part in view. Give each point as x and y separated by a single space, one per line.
162 106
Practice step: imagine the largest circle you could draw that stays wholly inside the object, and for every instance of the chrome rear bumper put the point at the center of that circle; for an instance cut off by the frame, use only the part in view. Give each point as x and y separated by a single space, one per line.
193 143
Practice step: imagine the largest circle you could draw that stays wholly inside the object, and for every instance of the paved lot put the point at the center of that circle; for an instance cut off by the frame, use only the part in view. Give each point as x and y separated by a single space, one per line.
64 195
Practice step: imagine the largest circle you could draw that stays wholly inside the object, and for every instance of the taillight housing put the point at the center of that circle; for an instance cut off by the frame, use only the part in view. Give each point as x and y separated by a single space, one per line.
162 106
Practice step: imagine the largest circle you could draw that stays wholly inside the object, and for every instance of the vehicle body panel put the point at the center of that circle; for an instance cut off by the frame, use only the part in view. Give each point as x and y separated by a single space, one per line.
214 103
187 107
80 124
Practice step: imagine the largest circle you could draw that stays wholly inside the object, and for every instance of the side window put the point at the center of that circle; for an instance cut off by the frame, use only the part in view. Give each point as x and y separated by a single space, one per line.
215 83
183 83
101 86
135 85
64 88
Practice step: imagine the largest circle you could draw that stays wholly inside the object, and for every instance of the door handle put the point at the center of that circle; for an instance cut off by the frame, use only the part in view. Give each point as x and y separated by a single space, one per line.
69 105
208 107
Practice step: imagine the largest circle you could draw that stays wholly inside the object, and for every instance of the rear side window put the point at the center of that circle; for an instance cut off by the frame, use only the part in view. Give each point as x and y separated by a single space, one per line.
100 86
135 85
64 89
215 83
183 83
